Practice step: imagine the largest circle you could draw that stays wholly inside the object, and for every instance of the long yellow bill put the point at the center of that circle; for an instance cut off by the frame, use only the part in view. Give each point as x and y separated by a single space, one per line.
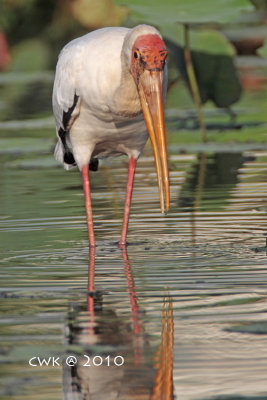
150 87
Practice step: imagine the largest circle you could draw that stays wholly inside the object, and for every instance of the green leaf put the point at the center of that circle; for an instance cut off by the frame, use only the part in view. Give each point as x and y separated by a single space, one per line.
260 4
212 57
157 12
206 41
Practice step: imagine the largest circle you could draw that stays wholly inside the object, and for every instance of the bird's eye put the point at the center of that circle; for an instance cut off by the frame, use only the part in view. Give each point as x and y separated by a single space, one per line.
135 54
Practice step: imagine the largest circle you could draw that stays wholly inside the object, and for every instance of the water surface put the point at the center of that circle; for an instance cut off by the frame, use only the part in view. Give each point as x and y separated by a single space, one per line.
208 254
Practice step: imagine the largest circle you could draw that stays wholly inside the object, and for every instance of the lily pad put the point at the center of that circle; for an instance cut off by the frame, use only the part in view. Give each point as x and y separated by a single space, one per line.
189 11
260 5
202 40
212 57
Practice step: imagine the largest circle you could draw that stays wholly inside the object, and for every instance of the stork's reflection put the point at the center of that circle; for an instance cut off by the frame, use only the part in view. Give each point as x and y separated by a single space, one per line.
115 358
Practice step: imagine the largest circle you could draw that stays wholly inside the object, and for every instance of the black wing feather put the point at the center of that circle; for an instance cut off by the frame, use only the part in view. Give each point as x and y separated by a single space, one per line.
68 156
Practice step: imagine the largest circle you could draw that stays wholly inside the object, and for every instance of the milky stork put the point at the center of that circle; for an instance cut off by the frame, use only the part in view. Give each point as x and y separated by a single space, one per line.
108 93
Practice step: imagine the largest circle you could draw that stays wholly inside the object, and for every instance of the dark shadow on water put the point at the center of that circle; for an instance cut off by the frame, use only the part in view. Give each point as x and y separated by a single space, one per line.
98 333
204 177
200 189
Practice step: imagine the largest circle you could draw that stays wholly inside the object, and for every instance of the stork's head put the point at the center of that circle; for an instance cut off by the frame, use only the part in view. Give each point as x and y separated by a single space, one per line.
148 56
149 53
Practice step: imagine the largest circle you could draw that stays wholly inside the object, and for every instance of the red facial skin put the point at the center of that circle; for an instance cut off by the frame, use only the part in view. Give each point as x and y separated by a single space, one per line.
149 53
147 66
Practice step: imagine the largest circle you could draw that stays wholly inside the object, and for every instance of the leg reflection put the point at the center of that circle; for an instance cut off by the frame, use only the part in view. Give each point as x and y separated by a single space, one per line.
91 281
138 338
132 291
101 331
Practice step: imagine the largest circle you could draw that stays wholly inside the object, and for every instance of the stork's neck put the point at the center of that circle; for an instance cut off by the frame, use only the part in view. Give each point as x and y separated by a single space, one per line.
126 99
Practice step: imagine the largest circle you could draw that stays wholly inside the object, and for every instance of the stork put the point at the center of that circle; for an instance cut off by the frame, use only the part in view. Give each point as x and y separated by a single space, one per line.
107 97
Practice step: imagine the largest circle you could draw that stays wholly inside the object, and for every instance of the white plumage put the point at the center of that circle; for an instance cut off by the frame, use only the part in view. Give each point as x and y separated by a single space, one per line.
107 115
96 95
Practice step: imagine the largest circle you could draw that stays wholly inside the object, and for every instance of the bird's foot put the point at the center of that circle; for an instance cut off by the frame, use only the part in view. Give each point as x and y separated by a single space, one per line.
122 244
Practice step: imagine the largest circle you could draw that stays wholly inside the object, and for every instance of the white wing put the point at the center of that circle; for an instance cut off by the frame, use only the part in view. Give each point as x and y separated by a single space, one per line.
78 67
66 102
65 89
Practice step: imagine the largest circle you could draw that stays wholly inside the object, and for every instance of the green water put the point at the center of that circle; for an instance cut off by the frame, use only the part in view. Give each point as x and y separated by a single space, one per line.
208 254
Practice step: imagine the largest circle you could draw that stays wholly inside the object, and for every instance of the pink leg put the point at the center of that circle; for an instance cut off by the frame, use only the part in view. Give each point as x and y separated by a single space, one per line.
127 206
88 205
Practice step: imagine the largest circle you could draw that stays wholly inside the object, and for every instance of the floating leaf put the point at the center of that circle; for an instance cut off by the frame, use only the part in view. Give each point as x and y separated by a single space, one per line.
212 57
260 4
187 11
202 40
